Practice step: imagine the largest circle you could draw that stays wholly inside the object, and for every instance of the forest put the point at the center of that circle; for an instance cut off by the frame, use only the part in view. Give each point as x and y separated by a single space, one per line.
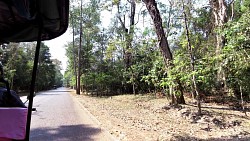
17 61
174 48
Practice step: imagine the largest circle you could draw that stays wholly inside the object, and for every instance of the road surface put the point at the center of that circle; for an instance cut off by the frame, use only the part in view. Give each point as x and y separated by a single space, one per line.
59 117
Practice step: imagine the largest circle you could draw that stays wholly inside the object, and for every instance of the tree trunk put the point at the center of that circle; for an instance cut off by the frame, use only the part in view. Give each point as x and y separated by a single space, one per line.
130 34
156 17
78 91
192 65
74 51
133 83
220 18
180 99
232 10
163 44
241 98
173 98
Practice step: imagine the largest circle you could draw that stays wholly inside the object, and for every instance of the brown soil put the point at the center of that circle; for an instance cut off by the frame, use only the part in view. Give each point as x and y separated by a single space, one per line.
146 118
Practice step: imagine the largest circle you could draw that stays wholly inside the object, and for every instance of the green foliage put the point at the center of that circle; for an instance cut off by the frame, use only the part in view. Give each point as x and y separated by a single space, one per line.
68 79
155 74
48 74
18 63
104 50
236 54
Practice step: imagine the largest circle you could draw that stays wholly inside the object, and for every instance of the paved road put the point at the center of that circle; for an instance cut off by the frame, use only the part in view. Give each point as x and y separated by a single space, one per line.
59 117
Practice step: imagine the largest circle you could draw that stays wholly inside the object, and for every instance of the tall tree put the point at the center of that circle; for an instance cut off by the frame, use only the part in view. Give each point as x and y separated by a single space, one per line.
163 42
128 32
163 45
86 18
46 70
186 9
79 55
72 23
219 9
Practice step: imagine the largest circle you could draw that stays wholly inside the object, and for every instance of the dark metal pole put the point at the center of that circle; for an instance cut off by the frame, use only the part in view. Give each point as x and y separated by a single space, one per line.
33 81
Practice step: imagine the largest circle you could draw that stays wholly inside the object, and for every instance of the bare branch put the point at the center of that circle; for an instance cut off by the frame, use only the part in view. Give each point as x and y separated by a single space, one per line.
129 1
169 18
139 15
119 17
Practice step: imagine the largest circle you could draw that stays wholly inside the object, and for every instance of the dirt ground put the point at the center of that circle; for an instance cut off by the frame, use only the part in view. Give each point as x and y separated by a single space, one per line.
146 118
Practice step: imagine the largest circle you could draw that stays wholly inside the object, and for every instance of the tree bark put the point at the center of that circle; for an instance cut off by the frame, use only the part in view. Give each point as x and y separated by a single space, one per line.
180 99
163 45
220 16
241 98
232 10
192 64
78 91
74 52
156 17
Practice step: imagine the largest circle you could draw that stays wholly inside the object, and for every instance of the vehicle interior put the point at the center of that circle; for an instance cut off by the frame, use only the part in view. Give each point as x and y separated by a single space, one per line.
27 21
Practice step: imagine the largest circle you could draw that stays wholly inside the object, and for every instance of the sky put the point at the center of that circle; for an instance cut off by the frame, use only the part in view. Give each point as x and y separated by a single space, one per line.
57 48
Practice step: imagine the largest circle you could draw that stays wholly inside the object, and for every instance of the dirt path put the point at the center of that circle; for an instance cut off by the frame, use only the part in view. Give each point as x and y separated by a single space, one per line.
144 118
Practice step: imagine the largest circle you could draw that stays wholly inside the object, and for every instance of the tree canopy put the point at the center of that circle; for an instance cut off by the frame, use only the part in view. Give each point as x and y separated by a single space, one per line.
18 58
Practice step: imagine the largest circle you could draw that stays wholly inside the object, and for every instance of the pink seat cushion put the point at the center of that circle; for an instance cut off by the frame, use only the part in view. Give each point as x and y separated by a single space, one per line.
12 123
5 139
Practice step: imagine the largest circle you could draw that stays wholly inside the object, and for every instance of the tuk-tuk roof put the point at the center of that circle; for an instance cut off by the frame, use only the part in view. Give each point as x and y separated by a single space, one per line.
19 19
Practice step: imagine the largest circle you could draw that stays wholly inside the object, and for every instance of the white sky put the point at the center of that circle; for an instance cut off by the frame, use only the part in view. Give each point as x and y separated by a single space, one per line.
57 48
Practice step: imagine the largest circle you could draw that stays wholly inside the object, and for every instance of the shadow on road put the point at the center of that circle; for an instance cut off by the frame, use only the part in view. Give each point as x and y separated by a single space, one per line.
64 133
